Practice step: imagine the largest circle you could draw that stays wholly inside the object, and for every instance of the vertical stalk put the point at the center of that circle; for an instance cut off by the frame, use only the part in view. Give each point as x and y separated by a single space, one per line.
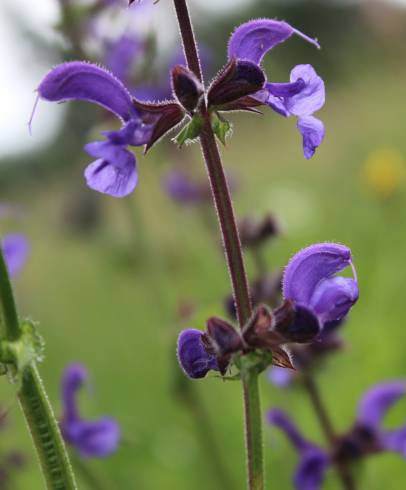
327 427
234 258
34 402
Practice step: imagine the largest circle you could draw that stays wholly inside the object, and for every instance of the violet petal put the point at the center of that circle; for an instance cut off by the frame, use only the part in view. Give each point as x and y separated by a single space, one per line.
253 39
377 401
15 250
94 438
286 89
311 470
97 438
280 419
73 378
114 172
394 440
78 80
192 357
333 298
280 377
312 95
312 131
121 53
310 266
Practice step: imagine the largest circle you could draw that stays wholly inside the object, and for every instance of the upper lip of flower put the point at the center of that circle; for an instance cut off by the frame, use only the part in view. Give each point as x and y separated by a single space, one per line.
309 280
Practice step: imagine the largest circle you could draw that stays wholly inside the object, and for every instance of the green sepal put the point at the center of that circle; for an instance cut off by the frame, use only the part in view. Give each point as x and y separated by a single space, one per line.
221 128
191 132
26 350
255 361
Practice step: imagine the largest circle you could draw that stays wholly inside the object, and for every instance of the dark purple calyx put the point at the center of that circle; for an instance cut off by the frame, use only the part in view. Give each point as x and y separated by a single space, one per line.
223 340
256 232
187 88
295 323
237 79
360 441
159 118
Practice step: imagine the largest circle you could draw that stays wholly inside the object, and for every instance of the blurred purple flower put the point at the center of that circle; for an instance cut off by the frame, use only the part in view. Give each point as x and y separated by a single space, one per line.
280 377
366 437
15 250
302 96
313 460
310 282
92 438
114 170
371 411
193 358
181 188
121 54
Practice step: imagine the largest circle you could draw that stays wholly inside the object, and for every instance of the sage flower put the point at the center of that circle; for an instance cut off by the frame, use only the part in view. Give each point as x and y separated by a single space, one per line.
372 410
302 96
92 438
313 460
15 248
114 171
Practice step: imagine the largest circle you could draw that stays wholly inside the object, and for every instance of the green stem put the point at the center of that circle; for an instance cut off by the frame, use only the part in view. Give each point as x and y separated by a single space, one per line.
253 430
234 258
34 402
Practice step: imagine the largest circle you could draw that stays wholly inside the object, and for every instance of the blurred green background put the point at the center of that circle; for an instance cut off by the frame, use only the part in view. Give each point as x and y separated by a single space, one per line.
106 277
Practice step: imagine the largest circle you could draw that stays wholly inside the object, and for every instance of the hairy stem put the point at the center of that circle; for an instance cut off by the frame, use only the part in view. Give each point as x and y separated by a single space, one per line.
34 402
327 427
234 258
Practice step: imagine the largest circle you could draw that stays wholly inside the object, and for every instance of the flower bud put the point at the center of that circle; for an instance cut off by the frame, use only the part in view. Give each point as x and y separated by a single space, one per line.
224 337
224 341
193 356
256 232
187 88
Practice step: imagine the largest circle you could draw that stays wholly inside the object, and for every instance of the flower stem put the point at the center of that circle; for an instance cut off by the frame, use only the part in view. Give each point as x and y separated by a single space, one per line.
34 402
327 427
234 258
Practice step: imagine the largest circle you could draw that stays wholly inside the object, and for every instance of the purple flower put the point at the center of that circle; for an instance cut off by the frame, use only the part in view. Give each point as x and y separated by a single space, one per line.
15 250
195 361
310 282
280 377
313 460
371 412
302 96
121 55
181 188
92 438
114 170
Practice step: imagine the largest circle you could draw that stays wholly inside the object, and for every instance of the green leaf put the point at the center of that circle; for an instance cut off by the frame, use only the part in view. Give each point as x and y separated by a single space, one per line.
24 351
221 127
190 132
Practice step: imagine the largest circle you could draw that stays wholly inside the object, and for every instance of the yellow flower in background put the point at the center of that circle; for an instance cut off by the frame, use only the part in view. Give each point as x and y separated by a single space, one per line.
384 172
